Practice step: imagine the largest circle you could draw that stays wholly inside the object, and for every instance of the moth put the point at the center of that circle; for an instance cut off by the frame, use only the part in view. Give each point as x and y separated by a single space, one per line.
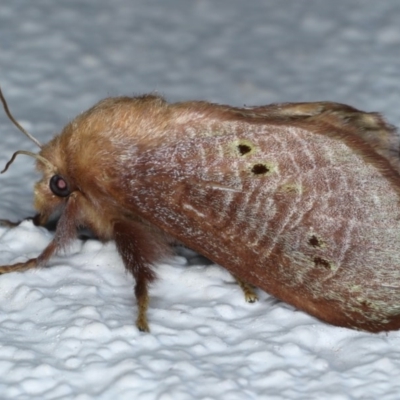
301 200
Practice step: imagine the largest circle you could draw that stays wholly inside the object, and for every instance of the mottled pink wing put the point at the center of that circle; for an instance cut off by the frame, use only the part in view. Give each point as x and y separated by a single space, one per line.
313 219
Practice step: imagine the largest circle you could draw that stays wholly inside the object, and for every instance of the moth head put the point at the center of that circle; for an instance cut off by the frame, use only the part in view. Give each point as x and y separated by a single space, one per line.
53 190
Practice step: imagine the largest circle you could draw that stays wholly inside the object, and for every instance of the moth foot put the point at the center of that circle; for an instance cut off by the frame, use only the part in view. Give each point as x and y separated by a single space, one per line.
142 324
250 297
248 290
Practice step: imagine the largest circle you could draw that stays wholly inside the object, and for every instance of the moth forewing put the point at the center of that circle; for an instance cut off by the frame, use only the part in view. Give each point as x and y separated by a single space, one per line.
283 207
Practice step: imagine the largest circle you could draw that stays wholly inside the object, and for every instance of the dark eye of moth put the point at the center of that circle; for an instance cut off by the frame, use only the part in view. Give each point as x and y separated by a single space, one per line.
59 186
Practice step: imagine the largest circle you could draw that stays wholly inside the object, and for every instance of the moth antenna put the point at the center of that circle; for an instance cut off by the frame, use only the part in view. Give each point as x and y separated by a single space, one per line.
15 122
28 153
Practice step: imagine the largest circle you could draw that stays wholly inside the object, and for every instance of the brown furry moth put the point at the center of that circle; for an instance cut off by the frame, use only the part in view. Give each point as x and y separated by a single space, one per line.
301 200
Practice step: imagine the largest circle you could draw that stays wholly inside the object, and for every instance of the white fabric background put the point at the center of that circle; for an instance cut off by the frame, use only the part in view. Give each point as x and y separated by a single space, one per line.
67 332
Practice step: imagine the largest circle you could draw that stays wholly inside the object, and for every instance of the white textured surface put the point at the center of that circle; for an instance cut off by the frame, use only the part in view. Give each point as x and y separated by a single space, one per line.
67 332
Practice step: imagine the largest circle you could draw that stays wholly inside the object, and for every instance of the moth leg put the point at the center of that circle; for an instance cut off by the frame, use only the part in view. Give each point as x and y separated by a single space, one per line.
9 224
32 262
142 298
37 220
65 232
138 249
247 289
19 267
